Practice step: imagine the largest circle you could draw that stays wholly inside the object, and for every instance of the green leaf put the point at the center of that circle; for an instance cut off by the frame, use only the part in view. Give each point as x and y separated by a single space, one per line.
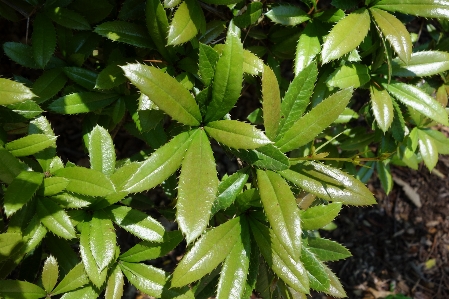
290 270
44 40
55 219
307 49
110 77
236 134
21 54
222 2
114 287
335 288
297 97
252 64
287 15
30 144
86 181
428 149
146 278
395 32
81 76
50 273
125 32
186 23
137 177
149 250
250 16
16 289
235 267
229 189
425 63
94 11
85 292
9 242
440 140
14 92
423 8
157 25
137 223
21 190
282 212
418 100
82 102
101 151
167 93
384 174
346 35
382 107
310 125
271 102
208 58
209 251
68 18
28 109
318 216
96 276
227 80
349 75
329 183
318 278
102 240
49 84
10 167
266 157
327 250
197 188
75 279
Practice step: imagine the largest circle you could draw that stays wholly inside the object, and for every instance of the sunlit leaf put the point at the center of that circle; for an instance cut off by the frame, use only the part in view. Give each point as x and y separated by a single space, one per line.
349 75
125 32
186 23
115 284
287 15
75 279
55 219
382 107
30 144
50 273
146 278
271 102
318 216
327 250
102 239
14 92
423 8
101 150
21 190
16 289
428 149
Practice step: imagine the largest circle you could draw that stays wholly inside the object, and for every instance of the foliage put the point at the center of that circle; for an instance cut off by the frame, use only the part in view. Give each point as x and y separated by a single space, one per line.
363 93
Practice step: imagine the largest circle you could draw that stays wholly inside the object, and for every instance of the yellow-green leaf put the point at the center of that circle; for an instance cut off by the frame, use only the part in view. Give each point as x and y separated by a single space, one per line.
382 107
30 144
102 239
423 8
146 278
55 219
428 149
75 279
114 287
16 289
186 23
50 273
349 75
21 190
13 92
101 150
271 102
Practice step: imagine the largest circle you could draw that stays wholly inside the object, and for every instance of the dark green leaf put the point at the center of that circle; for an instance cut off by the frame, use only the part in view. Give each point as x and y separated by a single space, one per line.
68 18
21 54
44 40
81 76
384 174
329 183
10 167
209 251
250 16
93 11
49 84
197 188
287 15
82 102
125 32
55 219
110 77
21 190
157 25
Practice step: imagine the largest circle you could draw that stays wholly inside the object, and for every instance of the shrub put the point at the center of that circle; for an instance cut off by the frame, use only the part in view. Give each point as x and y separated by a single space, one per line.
170 74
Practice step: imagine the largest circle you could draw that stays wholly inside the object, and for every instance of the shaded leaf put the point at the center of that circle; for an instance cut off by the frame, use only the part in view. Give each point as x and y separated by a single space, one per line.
20 289
157 25
55 219
85 78
327 250
384 174
68 18
44 40
49 84
21 190
82 102
229 189
125 32
208 58
110 77
287 15
250 16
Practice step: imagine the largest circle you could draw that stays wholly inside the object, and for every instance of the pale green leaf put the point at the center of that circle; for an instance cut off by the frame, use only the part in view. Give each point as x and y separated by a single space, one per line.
271 102
428 149
137 223
382 107
50 273
418 100
30 144
86 181
207 253
395 32
84 293
307 49
102 239
346 35
236 134
137 177
44 39
265 157
424 63
252 64
96 276
287 15
440 140
318 216
14 92
55 219
75 279
101 150
423 8
329 183
167 93
114 287
327 250
82 102
349 75
281 210
197 188
68 18
310 125
125 32
21 190
17 289
186 23
149 250
208 58
290 270
146 278
227 80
